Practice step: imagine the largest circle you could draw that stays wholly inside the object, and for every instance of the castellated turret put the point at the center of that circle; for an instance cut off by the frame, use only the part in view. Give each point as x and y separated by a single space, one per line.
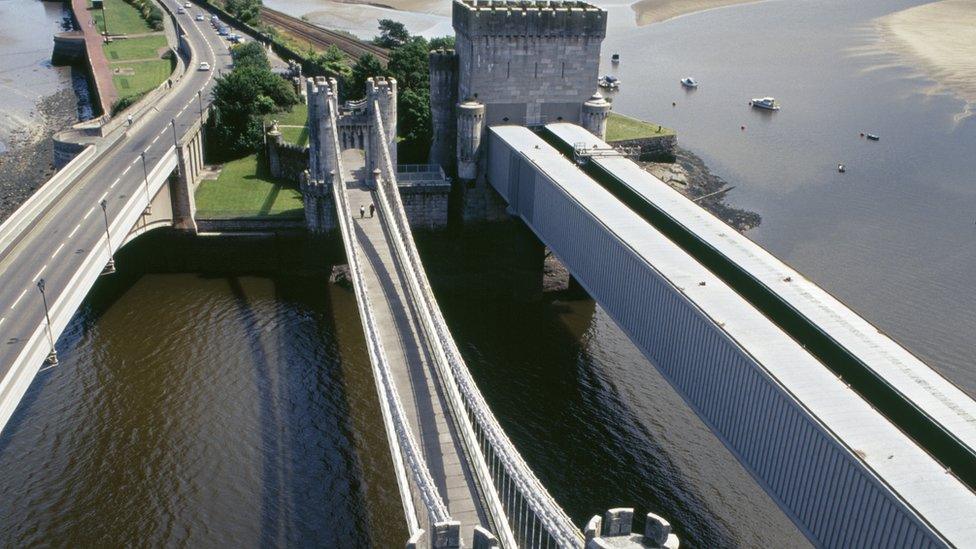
443 98
470 127
596 110
381 93
323 109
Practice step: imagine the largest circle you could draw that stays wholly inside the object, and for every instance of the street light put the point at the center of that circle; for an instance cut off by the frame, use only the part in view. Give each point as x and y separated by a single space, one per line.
52 357
110 266
200 97
145 176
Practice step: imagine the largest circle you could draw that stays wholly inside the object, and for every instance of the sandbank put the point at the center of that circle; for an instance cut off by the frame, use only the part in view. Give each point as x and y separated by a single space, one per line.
653 11
939 39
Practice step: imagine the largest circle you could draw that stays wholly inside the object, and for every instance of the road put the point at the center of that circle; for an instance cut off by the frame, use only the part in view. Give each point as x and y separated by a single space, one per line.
56 246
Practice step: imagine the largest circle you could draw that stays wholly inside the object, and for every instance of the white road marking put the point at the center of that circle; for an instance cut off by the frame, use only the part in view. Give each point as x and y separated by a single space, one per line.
90 210
114 183
39 273
73 231
1 321
56 252
155 139
100 200
21 296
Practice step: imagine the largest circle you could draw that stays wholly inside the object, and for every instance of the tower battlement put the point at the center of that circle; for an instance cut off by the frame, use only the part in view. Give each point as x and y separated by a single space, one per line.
475 18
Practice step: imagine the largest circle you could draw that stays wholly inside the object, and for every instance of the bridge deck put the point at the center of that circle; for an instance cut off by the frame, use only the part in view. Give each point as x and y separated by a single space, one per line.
410 358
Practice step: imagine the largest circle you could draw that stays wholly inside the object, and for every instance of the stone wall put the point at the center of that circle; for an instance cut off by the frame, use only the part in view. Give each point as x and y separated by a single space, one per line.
528 63
286 160
426 205
651 148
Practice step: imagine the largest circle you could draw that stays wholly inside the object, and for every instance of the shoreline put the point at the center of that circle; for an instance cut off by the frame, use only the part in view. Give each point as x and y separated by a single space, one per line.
936 39
647 12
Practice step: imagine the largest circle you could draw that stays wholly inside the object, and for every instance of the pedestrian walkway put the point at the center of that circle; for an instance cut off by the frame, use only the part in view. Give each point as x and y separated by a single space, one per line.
409 356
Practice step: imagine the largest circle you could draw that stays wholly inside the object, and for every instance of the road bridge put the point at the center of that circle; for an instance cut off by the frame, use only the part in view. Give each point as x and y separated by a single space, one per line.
142 173
844 473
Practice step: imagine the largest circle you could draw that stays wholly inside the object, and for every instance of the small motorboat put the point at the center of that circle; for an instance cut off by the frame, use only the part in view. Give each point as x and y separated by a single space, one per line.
767 103
615 58
841 168
689 82
873 137
609 82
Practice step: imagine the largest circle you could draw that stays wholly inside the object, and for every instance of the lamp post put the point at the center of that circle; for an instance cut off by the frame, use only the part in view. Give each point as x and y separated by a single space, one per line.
145 178
200 97
110 266
52 357
176 143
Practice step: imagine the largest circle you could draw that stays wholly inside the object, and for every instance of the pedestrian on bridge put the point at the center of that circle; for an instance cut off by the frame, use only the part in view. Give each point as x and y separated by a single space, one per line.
372 209
362 211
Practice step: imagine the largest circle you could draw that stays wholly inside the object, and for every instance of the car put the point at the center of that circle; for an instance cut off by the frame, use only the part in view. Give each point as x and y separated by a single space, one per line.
224 31
204 66
188 5
180 10
199 17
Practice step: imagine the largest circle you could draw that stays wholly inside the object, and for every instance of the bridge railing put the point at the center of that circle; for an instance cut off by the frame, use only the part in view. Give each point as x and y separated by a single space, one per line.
523 512
407 455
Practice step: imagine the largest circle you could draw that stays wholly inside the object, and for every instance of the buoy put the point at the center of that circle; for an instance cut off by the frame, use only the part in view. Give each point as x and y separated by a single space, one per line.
743 128
862 134
673 104
841 168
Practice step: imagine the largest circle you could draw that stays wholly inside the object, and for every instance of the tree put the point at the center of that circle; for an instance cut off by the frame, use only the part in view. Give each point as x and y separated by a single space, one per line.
367 66
331 62
392 34
250 54
413 123
248 11
241 98
442 43
409 64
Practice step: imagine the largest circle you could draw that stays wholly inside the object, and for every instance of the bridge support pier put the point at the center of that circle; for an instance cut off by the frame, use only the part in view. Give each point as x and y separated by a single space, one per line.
613 531
182 191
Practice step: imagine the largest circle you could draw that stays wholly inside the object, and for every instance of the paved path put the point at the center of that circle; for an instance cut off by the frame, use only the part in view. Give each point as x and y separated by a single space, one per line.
409 358
101 72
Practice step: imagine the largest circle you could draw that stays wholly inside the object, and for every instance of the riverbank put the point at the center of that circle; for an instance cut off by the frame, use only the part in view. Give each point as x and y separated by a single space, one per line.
655 11
937 39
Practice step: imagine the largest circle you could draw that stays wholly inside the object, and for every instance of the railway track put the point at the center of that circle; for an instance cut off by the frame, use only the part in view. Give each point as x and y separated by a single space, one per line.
322 37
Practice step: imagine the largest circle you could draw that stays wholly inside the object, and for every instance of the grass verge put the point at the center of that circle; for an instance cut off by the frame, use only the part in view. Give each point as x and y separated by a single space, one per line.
245 189
144 47
621 127
138 77
122 18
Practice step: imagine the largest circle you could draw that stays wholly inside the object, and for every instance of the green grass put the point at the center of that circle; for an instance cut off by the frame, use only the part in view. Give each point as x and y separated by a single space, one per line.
620 127
145 47
244 189
296 117
297 136
146 76
122 18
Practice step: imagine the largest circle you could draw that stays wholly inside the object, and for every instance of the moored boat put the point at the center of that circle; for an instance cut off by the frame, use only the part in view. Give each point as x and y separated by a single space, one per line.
689 82
873 137
767 103
609 82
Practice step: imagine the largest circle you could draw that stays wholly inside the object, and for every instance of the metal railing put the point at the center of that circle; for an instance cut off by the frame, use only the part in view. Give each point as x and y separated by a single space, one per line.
522 511
406 453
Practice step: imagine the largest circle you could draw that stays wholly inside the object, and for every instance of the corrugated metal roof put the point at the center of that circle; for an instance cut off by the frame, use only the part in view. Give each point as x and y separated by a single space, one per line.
941 499
937 397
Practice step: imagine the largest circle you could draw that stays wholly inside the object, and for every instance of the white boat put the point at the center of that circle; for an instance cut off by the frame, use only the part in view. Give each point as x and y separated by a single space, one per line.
609 82
767 103
689 82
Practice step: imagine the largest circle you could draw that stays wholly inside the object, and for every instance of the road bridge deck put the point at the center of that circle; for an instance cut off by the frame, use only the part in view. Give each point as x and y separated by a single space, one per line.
844 473
410 357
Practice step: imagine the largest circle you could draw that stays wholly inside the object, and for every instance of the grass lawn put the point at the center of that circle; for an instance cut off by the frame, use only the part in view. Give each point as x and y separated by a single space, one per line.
620 127
145 47
296 117
139 77
122 18
297 136
244 189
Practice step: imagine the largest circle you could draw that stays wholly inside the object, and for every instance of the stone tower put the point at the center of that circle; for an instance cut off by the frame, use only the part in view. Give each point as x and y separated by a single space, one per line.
381 93
470 128
323 111
595 113
443 98
529 62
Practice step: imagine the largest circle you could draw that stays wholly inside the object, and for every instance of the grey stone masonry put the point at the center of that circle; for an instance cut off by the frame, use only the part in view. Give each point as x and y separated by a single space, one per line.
528 62
443 97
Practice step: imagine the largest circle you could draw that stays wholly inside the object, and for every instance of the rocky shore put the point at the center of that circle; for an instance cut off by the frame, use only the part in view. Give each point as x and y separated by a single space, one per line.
689 175
28 161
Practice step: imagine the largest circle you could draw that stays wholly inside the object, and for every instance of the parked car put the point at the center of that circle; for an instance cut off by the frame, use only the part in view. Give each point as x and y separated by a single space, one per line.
224 31
204 66
187 5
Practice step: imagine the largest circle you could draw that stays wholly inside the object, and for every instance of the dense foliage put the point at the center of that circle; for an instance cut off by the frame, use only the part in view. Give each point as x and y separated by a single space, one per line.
393 34
242 97
150 12
248 11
